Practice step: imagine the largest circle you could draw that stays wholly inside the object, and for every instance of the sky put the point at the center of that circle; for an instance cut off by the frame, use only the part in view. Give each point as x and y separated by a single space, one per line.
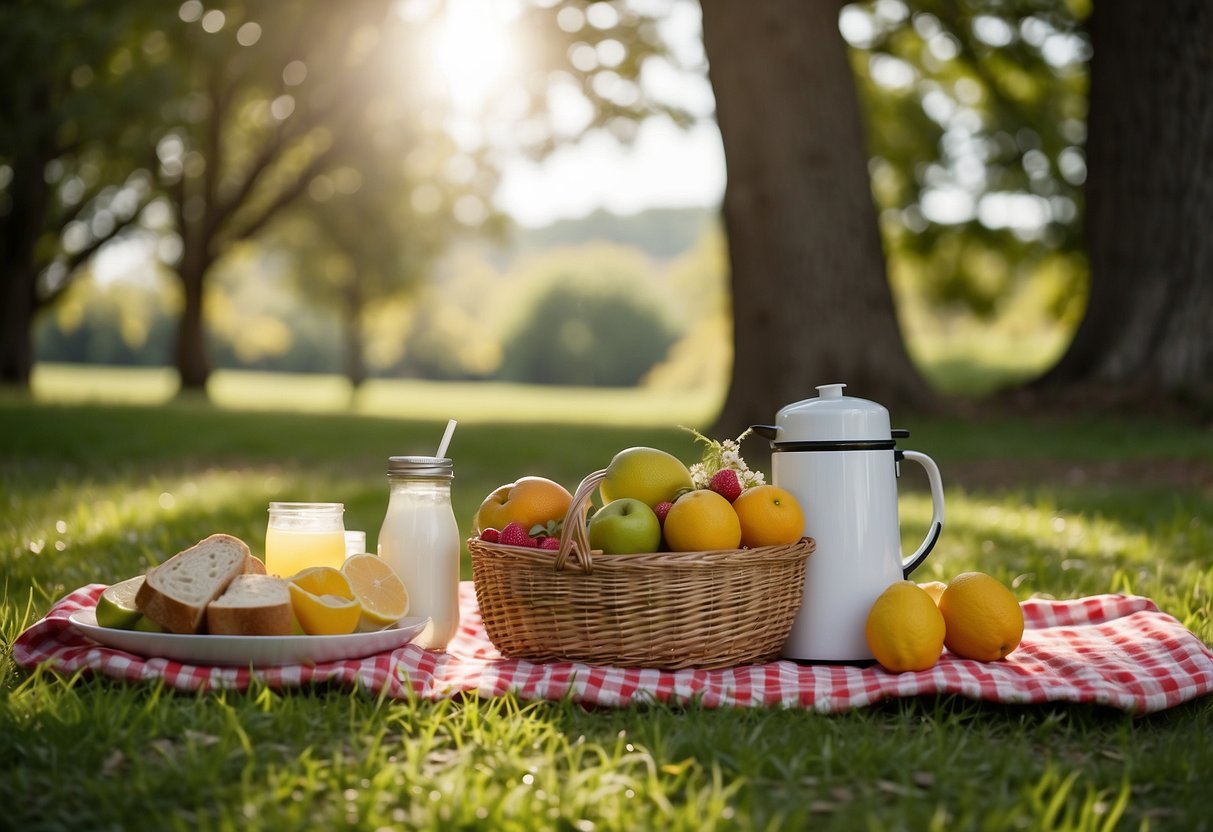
665 166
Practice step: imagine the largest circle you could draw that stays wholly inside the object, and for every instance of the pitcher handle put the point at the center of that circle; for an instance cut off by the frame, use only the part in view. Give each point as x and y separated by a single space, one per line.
911 563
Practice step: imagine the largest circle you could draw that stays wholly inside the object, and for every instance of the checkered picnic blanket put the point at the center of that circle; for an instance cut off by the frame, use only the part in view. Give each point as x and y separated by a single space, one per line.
1113 650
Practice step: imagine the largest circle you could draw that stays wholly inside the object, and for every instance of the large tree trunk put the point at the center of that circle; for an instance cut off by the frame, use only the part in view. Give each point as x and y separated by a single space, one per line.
19 233
811 299
17 306
1149 202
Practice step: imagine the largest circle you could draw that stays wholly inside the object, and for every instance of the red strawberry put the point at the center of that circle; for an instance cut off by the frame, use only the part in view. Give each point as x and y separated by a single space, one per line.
661 510
550 543
490 535
726 484
514 534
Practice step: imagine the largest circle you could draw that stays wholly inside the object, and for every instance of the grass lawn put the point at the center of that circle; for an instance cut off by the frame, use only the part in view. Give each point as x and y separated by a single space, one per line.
96 492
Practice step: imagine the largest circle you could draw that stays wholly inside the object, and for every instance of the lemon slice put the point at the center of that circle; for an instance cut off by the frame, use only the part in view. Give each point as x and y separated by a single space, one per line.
323 602
378 590
116 607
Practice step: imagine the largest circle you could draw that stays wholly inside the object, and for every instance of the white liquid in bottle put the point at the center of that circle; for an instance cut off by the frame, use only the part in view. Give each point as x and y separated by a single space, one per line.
420 540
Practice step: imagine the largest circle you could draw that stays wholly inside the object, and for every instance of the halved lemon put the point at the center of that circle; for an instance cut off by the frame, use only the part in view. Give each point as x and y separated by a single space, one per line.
323 602
378 590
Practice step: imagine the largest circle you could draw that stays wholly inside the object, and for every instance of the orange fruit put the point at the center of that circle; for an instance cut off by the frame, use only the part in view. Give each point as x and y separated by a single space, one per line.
645 474
377 589
531 501
769 516
934 589
323 602
905 630
984 619
701 520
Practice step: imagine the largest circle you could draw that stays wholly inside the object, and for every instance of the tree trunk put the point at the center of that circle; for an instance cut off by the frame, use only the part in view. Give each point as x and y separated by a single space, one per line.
16 324
352 302
21 229
1149 203
811 299
193 363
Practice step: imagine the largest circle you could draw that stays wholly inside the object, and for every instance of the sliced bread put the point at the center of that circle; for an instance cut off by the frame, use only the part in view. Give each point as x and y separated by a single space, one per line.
253 605
176 593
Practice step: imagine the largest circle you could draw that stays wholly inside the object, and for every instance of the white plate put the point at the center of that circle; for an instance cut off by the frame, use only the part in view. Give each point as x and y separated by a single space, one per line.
242 651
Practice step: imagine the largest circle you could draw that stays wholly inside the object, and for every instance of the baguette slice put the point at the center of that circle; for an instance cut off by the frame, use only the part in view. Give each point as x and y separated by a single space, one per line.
253 605
176 593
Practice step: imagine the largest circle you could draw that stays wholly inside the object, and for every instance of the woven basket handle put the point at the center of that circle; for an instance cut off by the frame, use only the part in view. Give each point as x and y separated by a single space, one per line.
574 537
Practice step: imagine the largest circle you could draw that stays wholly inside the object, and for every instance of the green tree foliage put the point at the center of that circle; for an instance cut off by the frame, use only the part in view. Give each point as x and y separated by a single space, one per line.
80 84
976 121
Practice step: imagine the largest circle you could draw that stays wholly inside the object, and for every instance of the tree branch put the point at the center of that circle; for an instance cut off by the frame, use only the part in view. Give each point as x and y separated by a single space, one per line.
75 261
287 195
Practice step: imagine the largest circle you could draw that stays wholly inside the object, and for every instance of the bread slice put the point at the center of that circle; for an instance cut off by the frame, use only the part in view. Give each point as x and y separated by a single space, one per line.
254 566
176 593
253 605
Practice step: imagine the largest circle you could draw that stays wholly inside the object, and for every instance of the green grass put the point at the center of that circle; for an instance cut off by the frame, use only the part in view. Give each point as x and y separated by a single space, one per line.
96 492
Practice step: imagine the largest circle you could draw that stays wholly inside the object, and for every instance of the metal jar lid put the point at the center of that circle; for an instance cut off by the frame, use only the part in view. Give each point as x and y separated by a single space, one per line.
420 466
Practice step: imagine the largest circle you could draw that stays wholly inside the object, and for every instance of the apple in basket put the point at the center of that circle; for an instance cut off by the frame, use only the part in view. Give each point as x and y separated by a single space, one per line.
528 501
625 527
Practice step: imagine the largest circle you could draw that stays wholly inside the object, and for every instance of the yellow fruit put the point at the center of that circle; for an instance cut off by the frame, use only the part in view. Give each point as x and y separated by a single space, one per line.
934 589
769 516
377 589
531 501
323 602
701 520
984 619
644 474
905 630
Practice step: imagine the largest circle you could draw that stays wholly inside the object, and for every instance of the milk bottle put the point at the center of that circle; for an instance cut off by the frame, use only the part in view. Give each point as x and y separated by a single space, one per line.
420 540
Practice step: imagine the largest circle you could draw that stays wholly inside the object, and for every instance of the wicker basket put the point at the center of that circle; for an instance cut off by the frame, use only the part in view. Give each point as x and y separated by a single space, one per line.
663 609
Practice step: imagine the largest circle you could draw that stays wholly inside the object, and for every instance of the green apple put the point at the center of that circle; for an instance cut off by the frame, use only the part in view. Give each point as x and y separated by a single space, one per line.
116 606
625 527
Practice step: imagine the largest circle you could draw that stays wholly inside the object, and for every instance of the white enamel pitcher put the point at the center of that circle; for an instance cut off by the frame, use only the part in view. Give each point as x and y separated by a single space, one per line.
838 456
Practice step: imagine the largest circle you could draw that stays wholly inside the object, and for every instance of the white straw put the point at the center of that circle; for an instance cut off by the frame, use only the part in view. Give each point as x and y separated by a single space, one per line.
446 438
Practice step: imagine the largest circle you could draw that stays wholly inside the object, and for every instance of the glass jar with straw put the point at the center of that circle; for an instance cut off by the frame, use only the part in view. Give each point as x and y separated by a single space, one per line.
419 538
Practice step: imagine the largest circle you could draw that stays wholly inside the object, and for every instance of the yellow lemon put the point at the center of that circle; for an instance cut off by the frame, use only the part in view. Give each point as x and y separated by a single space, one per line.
984 619
644 474
934 589
905 630
701 520
323 602
769 516
377 589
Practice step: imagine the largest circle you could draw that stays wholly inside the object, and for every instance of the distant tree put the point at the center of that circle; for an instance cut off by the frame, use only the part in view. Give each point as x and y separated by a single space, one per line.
591 325
327 91
1149 203
80 88
811 299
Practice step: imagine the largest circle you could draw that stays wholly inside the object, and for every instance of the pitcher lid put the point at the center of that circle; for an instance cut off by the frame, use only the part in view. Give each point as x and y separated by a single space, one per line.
833 417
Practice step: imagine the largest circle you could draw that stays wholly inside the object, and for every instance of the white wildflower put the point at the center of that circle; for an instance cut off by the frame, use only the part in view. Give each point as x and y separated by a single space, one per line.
722 455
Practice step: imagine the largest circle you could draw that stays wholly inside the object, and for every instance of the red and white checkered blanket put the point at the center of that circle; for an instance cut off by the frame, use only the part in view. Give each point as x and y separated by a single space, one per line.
1113 650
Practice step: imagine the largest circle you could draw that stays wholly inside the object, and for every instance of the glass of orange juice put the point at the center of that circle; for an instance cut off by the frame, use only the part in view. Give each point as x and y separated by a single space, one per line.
300 535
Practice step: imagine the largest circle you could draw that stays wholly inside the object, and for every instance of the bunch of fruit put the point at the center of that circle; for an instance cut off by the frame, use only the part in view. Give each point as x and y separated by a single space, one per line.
974 616
653 502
